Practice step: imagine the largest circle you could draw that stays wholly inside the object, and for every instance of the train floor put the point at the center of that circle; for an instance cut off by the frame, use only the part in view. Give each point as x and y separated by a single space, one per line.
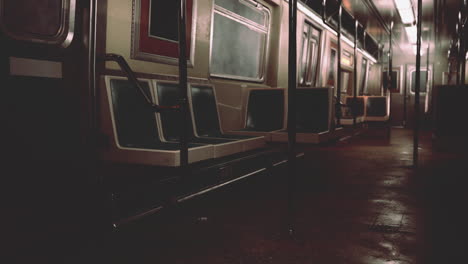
357 200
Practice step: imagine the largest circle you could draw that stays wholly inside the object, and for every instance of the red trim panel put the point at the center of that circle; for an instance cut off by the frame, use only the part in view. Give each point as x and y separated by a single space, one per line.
159 46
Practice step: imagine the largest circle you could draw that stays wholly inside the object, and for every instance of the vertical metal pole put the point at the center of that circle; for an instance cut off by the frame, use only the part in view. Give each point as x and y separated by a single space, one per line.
104 200
338 79
292 83
426 101
92 68
459 53
390 77
416 91
366 74
462 52
364 39
324 11
405 104
387 87
381 58
354 106
463 66
183 85
390 57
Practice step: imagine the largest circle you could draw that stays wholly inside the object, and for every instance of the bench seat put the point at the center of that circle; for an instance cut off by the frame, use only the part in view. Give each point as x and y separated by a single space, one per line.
131 127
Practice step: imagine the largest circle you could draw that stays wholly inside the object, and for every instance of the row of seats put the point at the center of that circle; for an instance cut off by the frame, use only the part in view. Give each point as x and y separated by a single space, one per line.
314 117
265 115
142 136
367 109
315 121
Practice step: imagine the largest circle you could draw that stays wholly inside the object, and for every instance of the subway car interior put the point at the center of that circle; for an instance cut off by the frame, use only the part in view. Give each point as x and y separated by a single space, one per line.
234 131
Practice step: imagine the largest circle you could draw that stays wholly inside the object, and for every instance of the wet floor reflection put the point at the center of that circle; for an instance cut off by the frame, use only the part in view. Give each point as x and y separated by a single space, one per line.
355 203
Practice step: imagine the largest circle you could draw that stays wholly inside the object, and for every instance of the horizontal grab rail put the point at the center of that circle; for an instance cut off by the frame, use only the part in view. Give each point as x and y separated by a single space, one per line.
120 60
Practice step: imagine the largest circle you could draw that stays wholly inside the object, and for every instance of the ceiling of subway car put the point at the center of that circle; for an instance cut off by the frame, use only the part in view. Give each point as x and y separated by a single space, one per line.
384 12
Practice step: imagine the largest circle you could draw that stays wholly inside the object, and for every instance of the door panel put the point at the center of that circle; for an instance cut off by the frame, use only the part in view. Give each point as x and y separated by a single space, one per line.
43 78
410 95
397 93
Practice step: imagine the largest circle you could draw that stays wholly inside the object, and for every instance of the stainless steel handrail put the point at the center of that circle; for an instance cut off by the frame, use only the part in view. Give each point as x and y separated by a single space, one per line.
131 76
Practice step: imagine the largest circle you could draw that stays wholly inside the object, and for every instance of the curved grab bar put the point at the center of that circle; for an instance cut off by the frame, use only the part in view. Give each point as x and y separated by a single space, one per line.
120 60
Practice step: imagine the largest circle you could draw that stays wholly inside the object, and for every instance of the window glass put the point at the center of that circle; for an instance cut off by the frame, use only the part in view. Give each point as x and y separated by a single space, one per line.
243 8
363 86
394 88
305 51
155 30
238 41
422 83
164 19
315 32
309 58
332 68
313 61
345 81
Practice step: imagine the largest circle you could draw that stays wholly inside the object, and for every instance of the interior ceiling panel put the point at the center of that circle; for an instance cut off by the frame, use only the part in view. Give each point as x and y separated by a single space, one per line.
384 12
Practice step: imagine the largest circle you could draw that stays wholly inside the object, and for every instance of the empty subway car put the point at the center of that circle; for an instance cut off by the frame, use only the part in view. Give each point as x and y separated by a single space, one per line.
112 110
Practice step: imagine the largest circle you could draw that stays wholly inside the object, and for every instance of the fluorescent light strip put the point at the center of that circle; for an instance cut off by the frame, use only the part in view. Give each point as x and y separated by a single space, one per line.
403 4
406 16
319 21
405 9
411 33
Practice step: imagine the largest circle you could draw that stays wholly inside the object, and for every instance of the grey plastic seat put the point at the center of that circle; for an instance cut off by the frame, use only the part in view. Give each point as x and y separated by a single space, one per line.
168 93
347 117
132 125
206 118
264 113
313 116
377 108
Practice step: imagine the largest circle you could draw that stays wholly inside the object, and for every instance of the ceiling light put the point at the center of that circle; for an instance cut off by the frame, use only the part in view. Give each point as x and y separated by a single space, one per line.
411 32
405 9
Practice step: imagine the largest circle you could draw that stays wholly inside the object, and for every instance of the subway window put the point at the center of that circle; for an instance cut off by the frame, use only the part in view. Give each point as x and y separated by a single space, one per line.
394 88
331 75
422 83
164 20
363 86
155 32
346 82
309 55
239 39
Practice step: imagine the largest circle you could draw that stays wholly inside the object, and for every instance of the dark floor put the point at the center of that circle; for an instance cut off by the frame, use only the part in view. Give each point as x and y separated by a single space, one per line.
357 201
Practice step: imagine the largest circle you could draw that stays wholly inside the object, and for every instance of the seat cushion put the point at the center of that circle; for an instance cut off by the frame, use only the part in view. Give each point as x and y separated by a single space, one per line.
135 120
265 110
